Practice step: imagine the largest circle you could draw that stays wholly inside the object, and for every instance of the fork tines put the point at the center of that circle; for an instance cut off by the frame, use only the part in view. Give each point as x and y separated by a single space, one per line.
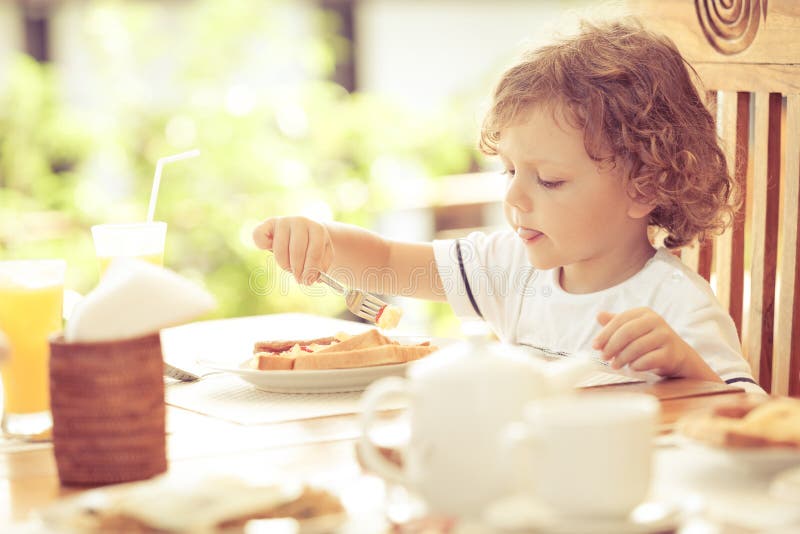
179 374
360 303
371 306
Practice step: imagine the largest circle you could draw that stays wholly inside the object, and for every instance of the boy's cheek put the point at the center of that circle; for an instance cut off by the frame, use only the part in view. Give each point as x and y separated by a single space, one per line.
507 214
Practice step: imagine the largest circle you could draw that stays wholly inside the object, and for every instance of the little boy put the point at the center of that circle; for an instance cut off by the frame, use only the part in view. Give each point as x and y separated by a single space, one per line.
602 136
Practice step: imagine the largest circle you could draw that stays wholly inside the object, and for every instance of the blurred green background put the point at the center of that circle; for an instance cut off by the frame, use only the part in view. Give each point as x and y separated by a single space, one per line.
278 130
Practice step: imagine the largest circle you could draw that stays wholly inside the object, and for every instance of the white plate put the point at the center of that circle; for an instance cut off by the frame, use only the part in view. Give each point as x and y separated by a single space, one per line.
322 381
521 513
766 460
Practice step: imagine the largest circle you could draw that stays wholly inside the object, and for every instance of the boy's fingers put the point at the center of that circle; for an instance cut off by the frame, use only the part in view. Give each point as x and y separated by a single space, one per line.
298 246
611 326
610 322
652 361
604 317
263 234
634 350
626 334
280 244
318 255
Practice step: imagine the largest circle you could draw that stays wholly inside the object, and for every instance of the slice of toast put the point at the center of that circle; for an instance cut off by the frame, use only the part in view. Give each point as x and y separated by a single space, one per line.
750 424
338 343
370 338
365 357
363 350
282 346
269 361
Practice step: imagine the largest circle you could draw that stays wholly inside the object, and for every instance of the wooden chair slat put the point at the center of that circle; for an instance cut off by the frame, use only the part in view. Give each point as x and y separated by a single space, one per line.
729 247
723 244
786 362
774 165
764 229
704 254
705 259
739 169
752 339
698 257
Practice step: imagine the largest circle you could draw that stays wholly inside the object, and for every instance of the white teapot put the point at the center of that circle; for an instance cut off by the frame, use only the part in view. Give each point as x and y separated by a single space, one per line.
461 398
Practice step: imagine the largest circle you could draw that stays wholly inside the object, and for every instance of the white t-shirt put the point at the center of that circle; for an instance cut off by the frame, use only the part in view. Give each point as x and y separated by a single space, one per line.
489 276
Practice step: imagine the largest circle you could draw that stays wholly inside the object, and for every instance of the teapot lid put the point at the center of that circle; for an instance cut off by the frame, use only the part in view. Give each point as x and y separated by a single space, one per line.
479 355
476 329
477 349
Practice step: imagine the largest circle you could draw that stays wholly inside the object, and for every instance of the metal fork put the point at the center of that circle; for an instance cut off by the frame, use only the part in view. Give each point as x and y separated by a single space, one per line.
182 374
360 303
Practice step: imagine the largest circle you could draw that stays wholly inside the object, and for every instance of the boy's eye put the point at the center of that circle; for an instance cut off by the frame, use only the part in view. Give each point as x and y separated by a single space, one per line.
550 184
509 172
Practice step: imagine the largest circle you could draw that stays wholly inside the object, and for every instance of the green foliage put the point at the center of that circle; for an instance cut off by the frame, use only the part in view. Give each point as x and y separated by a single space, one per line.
247 89
38 148
42 145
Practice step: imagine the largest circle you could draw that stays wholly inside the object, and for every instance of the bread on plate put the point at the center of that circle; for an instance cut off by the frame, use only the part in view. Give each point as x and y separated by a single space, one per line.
753 423
341 351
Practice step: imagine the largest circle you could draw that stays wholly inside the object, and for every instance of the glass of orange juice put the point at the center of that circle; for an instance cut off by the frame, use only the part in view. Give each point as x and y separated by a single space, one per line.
31 298
143 240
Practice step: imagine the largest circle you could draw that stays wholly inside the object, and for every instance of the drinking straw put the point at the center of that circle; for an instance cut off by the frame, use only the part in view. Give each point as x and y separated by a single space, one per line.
157 178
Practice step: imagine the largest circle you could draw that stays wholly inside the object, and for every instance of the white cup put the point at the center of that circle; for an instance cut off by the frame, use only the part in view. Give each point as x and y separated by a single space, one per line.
143 240
588 455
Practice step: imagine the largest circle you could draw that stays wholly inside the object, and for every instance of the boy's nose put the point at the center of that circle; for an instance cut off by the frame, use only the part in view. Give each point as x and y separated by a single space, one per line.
516 197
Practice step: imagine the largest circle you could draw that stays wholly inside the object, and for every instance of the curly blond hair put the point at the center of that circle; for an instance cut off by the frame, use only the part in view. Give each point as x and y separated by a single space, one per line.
631 93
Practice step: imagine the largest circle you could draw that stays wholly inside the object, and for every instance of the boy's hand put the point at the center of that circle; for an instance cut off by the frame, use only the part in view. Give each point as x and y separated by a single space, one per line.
300 245
644 341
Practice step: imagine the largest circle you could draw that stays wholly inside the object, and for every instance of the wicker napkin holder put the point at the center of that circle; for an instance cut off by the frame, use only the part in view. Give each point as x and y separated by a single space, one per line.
109 417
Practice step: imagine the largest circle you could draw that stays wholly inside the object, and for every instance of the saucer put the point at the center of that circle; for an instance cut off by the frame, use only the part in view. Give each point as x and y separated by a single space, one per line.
522 513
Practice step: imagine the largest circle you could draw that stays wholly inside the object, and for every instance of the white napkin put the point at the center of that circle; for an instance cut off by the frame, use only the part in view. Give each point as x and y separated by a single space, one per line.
135 298
197 503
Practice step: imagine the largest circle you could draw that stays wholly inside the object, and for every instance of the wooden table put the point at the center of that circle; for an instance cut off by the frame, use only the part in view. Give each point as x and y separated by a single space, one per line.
320 450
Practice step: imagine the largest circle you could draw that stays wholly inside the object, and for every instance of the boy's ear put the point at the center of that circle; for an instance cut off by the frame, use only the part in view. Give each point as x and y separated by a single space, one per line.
640 208
640 203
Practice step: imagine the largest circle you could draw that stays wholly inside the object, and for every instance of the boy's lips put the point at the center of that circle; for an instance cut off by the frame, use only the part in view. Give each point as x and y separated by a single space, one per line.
528 234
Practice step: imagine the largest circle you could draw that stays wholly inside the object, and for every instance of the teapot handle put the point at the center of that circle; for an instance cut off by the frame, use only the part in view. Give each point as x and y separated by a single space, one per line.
371 399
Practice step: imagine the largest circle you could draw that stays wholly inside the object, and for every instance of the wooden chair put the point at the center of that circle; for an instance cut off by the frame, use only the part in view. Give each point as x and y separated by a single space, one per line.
747 53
